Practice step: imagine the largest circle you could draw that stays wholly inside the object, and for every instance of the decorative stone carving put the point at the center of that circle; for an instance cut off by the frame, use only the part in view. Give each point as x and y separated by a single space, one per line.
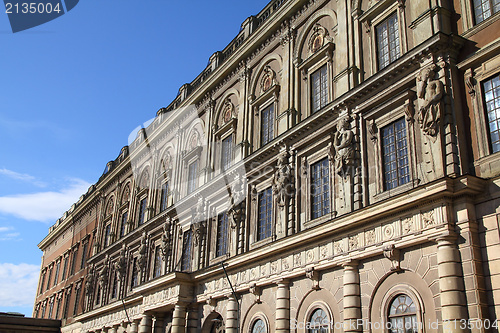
370 237
121 263
393 254
268 78
429 91
110 207
89 282
227 110
428 218
256 291
166 239
318 37
126 194
166 162
198 211
199 232
144 180
282 187
237 196
103 273
313 275
344 148
353 242
407 225
143 252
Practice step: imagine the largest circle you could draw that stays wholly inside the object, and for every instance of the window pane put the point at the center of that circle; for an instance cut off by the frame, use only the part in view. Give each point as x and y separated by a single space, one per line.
491 89
164 196
319 89
320 188
259 326
222 234
227 152
264 225
267 125
186 252
192 176
388 48
142 211
395 159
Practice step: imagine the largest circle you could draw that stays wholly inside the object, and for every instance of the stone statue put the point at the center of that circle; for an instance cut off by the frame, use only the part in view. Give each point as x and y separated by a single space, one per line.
282 178
121 263
166 239
103 273
89 284
236 198
199 210
143 250
431 92
343 143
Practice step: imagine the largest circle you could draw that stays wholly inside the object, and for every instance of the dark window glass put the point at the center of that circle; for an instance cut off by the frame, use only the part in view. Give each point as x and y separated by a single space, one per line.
318 322
123 224
73 261
395 154
164 197
107 232
227 152
135 274
264 225
114 291
142 211
56 275
267 125
388 41
259 326
65 267
58 308
491 90
483 9
319 89
77 301
186 251
402 315
49 278
98 296
42 283
67 297
157 263
84 255
320 188
192 176
222 234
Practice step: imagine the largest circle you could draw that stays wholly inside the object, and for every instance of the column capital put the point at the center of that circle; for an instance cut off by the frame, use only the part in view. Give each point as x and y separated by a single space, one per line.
282 282
350 264
446 238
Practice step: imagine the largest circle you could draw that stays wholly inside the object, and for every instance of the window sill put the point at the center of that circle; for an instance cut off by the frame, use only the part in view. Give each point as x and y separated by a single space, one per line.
480 26
396 191
262 242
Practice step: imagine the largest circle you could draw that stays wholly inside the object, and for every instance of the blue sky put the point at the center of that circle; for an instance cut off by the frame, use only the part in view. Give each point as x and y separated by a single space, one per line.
71 91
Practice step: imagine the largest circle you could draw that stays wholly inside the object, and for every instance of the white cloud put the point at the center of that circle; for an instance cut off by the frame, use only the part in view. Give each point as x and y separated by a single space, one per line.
21 176
4 229
19 282
43 206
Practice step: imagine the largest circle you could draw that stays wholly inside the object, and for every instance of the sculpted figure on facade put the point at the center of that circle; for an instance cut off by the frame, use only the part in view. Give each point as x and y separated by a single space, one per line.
282 178
121 263
143 252
344 149
89 283
236 199
103 273
430 91
166 239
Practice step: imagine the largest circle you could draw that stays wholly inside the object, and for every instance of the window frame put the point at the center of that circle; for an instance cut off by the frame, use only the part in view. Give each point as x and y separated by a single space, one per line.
392 59
396 155
485 114
327 90
187 252
269 225
227 156
254 321
267 99
142 210
311 182
225 238
409 291
192 183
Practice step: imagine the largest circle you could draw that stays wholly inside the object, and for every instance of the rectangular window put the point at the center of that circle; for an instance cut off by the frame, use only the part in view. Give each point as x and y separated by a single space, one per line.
42 283
135 274
48 279
77 301
51 308
192 176
395 154
107 232
164 197
388 41
84 255
320 188
157 263
142 211
114 291
58 308
227 152
267 125
222 234
483 9
66 303
58 268
491 90
123 224
65 267
319 89
98 296
73 261
186 251
264 224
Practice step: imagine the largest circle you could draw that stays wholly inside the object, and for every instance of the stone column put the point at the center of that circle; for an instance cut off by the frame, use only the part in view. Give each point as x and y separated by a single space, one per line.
283 307
112 329
192 319
132 327
232 315
452 294
179 319
146 324
159 323
352 300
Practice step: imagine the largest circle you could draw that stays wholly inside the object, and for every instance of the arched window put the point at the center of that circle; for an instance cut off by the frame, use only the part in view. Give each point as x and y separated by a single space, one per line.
318 322
402 315
259 326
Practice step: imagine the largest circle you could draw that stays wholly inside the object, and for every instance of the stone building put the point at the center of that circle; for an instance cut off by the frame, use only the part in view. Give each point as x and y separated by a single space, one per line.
334 169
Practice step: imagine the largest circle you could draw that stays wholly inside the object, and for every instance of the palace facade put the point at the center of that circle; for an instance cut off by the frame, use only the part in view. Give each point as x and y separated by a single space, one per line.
334 169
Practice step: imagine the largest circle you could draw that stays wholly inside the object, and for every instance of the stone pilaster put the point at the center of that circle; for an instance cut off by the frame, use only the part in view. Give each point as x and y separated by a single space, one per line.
283 307
179 319
452 294
352 300
192 320
232 315
159 321
146 324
